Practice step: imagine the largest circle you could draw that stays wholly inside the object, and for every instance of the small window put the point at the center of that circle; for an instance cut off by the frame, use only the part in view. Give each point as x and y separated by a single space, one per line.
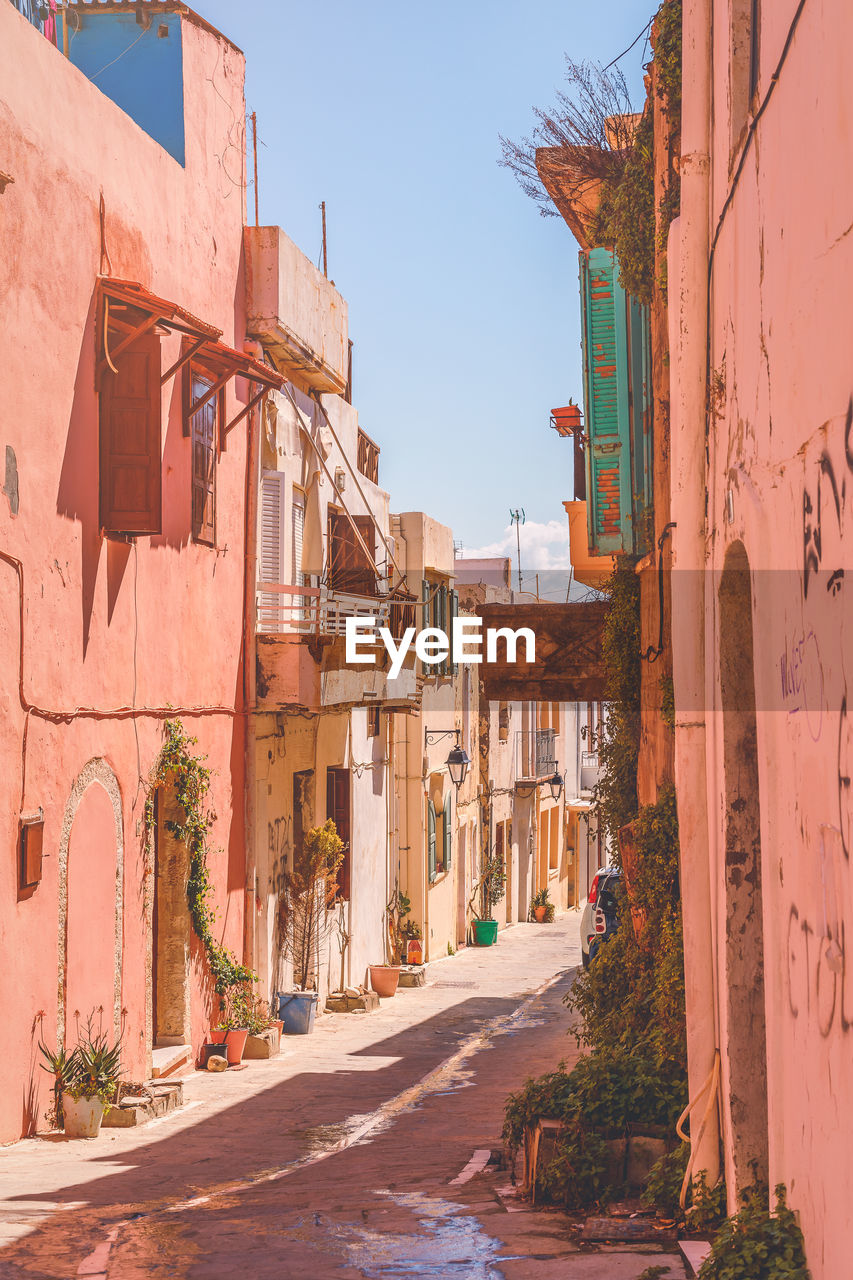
130 433
373 722
338 809
351 571
204 433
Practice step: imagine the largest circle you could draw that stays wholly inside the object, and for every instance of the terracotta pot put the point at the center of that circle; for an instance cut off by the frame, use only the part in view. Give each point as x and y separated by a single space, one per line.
83 1116
540 913
236 1043
234 1039
384 979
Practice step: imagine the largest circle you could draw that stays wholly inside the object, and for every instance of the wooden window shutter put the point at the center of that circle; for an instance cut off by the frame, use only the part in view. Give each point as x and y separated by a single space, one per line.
447 832
432 865
350 570
271 550
604 341
204 442
130 436
338 809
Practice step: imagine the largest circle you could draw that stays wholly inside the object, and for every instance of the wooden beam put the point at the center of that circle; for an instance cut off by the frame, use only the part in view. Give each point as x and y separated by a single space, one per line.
140 329
187 355
248 409
568 665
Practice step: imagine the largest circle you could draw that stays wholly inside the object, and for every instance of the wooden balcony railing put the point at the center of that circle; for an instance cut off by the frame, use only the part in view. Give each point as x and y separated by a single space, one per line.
368 457
313 611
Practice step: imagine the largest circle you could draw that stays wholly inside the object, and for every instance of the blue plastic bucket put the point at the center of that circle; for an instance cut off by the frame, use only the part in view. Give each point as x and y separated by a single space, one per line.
296 1010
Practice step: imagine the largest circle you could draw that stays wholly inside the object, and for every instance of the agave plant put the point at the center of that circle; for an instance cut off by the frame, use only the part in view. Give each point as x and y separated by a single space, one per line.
91 1070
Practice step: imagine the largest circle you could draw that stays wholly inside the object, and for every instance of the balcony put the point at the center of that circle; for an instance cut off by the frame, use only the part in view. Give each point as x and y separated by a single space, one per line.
313 611
295 312
368 457
301 651
590 771
535 753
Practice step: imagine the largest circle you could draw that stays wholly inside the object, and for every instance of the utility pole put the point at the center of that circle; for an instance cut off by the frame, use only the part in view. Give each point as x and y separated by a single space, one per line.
325 260
518 518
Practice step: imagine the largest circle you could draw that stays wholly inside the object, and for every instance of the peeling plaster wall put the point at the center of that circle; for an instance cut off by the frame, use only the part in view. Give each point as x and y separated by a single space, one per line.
780 480
109 625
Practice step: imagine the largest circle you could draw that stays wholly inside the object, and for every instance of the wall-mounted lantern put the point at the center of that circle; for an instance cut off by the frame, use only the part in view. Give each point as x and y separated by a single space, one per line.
458 761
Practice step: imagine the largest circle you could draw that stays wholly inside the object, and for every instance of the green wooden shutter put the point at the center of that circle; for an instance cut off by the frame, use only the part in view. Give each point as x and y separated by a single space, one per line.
431 859
642 401
447 832
610 516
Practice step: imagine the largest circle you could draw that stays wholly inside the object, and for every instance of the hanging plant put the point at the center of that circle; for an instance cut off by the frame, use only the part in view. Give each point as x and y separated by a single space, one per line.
186 772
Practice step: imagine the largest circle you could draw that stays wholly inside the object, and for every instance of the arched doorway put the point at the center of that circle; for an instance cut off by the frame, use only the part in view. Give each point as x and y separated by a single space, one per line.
91 896
745 1009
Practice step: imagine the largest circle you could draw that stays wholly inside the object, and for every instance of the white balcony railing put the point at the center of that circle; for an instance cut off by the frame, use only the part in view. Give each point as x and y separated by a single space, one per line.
590 770
313 611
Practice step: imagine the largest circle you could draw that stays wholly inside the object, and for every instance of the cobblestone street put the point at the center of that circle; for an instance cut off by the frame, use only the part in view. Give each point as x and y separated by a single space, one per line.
362 1151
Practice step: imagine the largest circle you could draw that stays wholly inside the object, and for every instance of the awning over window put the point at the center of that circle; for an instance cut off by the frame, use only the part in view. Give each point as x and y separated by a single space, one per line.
127 310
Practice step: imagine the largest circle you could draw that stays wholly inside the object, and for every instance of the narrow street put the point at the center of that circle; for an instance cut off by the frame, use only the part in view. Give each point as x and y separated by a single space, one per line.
360 1152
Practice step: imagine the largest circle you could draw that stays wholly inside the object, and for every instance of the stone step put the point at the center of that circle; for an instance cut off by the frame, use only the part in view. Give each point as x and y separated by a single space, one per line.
159 1098
169 1059
694 1253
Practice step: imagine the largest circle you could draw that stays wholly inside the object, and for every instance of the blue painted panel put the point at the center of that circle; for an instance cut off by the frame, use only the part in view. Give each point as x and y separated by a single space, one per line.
141 70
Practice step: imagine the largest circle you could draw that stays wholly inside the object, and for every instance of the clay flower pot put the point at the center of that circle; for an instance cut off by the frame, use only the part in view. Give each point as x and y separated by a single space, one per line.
540 914
384 979
234 1040
83 1116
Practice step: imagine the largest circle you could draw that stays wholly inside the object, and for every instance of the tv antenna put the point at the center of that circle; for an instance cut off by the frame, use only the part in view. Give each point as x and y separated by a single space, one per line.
518 518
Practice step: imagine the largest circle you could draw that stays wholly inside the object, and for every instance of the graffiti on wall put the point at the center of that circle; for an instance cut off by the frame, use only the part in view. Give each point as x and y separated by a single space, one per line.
815 680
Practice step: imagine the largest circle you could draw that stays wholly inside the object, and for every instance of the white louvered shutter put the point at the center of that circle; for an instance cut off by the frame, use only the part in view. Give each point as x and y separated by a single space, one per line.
271 557
297 530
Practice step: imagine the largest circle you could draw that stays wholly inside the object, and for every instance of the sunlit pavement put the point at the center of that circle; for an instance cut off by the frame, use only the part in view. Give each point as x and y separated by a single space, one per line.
363 1151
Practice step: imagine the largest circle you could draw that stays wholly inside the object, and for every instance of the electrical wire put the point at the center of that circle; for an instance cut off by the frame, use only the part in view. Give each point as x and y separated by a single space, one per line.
621 55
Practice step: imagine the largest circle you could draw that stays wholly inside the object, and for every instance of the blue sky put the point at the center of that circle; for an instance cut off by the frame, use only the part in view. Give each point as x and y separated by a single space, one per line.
463 301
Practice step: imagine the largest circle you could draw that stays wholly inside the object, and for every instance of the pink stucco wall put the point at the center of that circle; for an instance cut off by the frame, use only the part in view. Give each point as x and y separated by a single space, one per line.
780 452
108 626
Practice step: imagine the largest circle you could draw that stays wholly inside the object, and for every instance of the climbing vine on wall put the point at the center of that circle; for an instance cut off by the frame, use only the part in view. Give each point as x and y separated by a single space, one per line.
186 772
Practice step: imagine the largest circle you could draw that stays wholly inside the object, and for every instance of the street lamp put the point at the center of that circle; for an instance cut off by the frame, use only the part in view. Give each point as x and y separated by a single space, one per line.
556 785
458 759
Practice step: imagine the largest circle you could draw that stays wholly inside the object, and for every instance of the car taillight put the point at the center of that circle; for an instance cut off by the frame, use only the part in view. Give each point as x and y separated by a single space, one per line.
593 891
600 922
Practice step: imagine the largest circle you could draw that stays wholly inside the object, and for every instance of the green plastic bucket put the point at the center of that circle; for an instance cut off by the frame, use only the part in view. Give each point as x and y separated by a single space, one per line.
485 932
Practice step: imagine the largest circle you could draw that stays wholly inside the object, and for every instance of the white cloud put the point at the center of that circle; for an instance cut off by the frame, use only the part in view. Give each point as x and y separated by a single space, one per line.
543 546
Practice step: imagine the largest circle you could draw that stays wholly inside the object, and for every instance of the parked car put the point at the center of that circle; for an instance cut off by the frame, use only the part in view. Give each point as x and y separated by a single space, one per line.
601 913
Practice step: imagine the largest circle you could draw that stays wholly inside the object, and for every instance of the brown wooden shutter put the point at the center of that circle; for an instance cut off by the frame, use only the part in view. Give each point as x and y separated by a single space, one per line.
350 570
338 809
204 463
130 429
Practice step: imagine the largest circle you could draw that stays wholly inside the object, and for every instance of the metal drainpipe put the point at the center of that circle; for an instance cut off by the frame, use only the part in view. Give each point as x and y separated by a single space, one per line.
249 686
689 330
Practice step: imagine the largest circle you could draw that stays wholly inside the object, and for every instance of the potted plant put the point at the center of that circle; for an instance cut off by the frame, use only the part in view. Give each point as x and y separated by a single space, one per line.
305 918
541 907
232 1028
85 1081
489 889
414 943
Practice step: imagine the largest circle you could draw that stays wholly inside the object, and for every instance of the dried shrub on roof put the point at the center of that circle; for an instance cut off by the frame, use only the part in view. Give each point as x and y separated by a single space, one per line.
591 122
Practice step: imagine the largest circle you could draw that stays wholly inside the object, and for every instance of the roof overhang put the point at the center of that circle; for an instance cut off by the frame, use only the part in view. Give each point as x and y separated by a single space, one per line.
127 310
